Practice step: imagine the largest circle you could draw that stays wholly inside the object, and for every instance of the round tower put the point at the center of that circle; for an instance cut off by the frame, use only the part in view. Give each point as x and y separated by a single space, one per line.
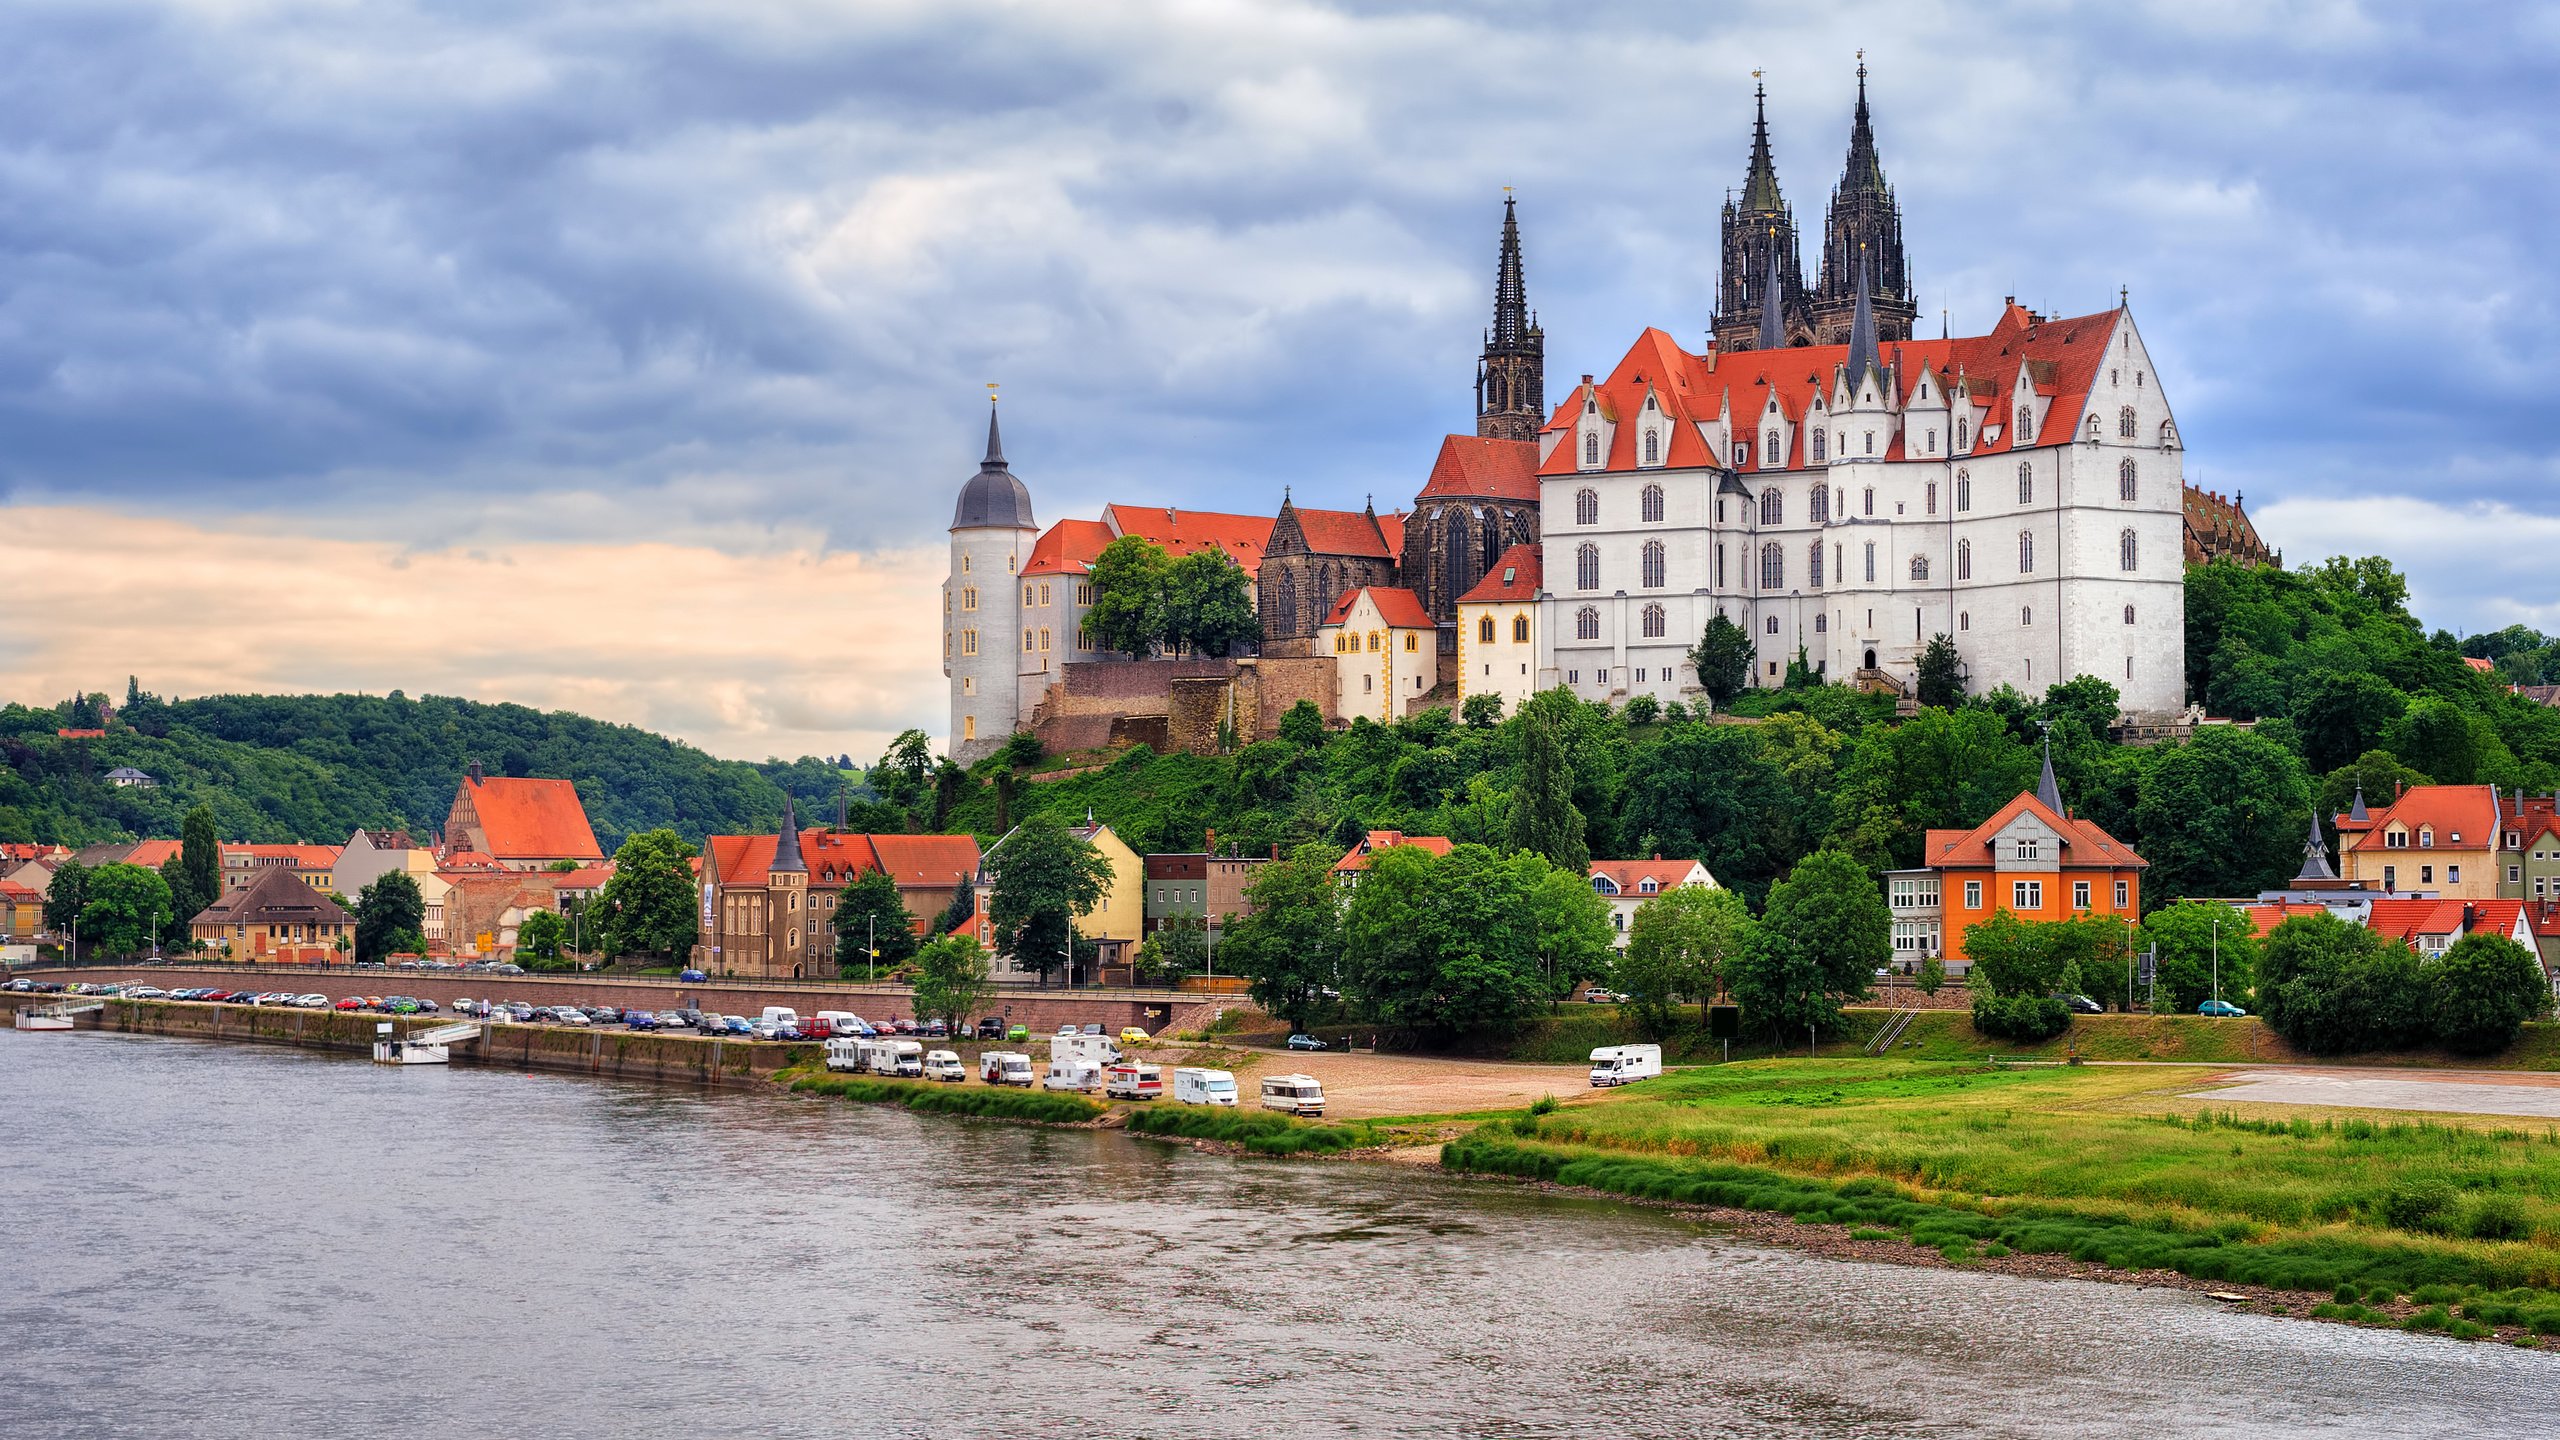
991 536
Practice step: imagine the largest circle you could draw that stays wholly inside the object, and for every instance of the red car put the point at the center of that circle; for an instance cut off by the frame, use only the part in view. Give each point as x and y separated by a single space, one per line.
816 1029
350 1003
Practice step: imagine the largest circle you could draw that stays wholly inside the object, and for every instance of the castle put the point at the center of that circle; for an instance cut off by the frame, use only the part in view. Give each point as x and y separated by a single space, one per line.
1818 476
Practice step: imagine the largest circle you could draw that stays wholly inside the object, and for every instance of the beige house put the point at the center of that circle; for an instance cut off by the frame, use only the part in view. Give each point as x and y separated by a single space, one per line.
275 917
1498 631
1386 651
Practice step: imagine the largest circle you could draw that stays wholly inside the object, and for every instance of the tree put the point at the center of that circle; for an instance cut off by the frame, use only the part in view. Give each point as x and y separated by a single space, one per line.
1044 877
1544 821
1179 947
2331 987
1302 725
1480 711
2481 991
199 879
64 897
540 940
869 913
1128 611
389 912
1289 943
2194 950
2222 813
904 769
2442 739
561 867
1932 974
1941 681
647 908
2378 774
2086 698
2013 956
1455 946
2341 715
125 907
951 980
1723 660
1678 949
1816 947
962 909
1208 604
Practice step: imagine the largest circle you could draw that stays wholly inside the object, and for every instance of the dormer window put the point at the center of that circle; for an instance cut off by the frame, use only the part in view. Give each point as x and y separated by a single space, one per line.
1821 450
1741 452
1591 448
1771 449
2030 849
2026 425
1652 446
1648 886
1962 428
1604 884
2426 837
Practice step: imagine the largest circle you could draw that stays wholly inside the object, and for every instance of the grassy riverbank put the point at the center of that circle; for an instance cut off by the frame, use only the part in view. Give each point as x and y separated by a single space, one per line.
2111 1166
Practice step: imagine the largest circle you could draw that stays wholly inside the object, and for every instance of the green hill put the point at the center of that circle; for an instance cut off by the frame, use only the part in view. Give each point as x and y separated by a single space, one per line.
315 767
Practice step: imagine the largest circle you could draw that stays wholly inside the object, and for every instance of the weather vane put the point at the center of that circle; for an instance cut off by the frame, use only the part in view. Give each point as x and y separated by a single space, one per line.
991 392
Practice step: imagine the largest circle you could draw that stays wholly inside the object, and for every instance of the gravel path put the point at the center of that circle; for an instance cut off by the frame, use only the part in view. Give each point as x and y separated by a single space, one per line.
2534 1096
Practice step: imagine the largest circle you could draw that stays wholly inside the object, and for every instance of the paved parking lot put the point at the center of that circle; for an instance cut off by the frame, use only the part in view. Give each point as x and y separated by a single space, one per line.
2444 1095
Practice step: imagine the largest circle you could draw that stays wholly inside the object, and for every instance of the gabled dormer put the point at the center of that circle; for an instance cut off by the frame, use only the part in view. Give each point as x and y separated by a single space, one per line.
1777 437
1593 428
1653 431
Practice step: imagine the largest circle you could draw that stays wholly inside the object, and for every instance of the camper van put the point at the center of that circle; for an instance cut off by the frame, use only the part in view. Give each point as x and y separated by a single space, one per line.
944 1065
1096 1049
896 1057
1618 1064
846 1055
1193 1085
1293 1094
1135 1080
1072 1074
1005 1067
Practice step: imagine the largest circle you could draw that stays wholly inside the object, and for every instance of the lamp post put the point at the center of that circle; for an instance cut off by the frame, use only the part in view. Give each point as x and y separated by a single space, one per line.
2217 966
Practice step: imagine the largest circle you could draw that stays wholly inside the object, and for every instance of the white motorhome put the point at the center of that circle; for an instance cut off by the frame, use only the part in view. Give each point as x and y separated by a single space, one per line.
1135 1080
1293 1094
1193 1085
1005 1067
1072 1075
1098 1049
897 1057
944 1065
846 1055
1618 1064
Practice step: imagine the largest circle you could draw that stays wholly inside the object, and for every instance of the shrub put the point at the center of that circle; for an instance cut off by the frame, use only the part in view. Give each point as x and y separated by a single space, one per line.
2027 1019
1259 1131
2422 1207
2498 1217
1047 1107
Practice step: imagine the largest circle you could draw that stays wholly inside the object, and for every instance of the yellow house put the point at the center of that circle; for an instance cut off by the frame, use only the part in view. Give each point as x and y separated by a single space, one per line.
1498 631
1117 921
1386 651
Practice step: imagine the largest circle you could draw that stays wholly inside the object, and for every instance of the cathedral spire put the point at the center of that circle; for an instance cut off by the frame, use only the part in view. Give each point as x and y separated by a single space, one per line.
1862 234
1511 375
786 845
995 440
1760 186
1862 358
1510 291
1773 323
1864 172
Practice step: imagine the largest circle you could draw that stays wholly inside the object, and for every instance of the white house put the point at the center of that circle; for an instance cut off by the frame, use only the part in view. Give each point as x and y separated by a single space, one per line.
1627 884
1498 631
1386 651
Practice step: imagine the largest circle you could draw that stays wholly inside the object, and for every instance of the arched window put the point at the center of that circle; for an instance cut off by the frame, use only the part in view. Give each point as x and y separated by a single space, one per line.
2168 436
1653 504
1653 566
1586 623
1772 450
1871 442
1773 570
1586 567
1964 620
2124 423
2126 488
1919 567
1652 447
2026 482
1656 622
1815 551
2128 614
1867 506
1964 429
2093 429
1773 507
1964 559
1933 497
2129 549
1586 507
2026 615
1484 630
1932 442
2026 425
1591 448
1821 504
1519 629
1964 491
1821 624
2026 552
1821 447
1773 624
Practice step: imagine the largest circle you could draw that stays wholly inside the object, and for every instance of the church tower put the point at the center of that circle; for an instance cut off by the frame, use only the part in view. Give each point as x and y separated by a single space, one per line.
991 538
1863 230
1759 259
1511 378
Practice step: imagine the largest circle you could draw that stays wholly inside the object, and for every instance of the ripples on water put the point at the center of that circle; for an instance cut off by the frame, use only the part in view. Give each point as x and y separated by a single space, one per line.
216 1241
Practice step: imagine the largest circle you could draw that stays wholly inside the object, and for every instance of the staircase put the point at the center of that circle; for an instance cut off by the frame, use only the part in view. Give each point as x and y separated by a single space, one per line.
1890 1032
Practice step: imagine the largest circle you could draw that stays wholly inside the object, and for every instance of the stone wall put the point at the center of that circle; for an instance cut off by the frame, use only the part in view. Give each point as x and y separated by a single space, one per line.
1176 705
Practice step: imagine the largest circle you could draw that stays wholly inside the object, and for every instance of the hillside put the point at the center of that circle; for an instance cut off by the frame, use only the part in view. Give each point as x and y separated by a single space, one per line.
316 767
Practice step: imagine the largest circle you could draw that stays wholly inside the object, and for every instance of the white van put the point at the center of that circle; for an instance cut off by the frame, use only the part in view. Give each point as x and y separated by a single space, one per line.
1193 1085
1618 1064
844 1022
1293 1094
1135 1080
781 1017
1072 1075
1098 1049
897 1057
944 1065
845 1055
1005 1067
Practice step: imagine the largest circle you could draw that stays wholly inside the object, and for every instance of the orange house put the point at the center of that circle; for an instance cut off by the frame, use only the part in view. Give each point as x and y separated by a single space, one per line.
2031 858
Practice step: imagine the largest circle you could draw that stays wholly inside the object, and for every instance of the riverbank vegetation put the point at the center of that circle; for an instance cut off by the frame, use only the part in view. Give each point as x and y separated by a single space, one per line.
1262 1132
1048 1107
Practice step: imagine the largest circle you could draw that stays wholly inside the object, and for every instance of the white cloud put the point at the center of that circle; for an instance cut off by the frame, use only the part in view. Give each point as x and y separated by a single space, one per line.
2474 567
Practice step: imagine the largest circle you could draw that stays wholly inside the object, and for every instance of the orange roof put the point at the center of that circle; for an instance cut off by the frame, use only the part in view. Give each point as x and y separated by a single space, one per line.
1240 538
1474 466
1348 532
2462 816
302 857
2412 919
468 860
913 861
1377 840
1399 607
926 860
2485 667
1629 875
532 819
2263 918
1516 576
2084 844
2544 917
1067 548
16 893
2060 358
585 877
81 734
155 853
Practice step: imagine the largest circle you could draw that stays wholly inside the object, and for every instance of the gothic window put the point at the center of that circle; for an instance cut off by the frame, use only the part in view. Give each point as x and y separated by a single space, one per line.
1653 566
2129 549
1871 562
1964 559
1026 642
1586 507
2026 552
1719 567
1653 447
2124 423
1821 624
1821 447
2125 486
1772 451
1816 563
1586 568
2026 425
1591 449
1964 620
2128 614
2026 483
1773 507
1821 504
968 642
1919 567
1773 624
1963 430
1933 498
1519 629
2026 615
1933 442
1867 506
1964 491
1655 622
1586 624
1484 631
1773 570
1044 630
1871 442
1653 504
1285 594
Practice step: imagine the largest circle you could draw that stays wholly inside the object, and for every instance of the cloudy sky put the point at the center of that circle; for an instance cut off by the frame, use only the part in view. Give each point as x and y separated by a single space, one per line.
625 356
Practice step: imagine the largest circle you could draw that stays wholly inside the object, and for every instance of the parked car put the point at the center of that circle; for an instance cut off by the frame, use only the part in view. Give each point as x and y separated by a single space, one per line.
934 1029
943 1065
691 977
2222 1010
1132 1035
2081 1005
313 1001
506 969
1093 1027
428 1007
352 1002
1307 1042
639 1019
1017 1033
603 1014
1598 996
990 1028
570 1015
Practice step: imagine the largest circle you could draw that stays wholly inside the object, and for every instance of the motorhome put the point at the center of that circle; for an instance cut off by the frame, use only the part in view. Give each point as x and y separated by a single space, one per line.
1095 1049
1135 1080
944 1065
897 1057
845 1054
1005 1067
1618 1064
1293 1094
1193 1085
1072 1074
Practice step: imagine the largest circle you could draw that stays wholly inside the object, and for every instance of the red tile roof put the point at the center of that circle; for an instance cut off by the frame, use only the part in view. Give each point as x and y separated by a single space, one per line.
302 857
153 854
1349 532
2263 918
914 861
80 734
1067 548
2410 919
1516 576
532 819
2485 667
2468 811
2085 845
1399 607
1629 875
1240 538
1476 467
2544 917
586 879
1377 840
16 893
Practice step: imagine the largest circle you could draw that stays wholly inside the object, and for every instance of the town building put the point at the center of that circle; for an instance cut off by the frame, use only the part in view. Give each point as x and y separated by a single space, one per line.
1627 884
2531 845
1498 631
244 865
2431 926
2442 839
276 917
369 855
769 901
481 911
125 777
2219 528
2032 858
517 823
1386 652
1346 871
1201 885
21 913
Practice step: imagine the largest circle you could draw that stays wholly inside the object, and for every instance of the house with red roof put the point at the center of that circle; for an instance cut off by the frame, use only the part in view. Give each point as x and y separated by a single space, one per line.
1347 869
1386 652
2440 839
517 823
243 864
769 901
21 913
2032 858
1498 630
2431 926
1627 884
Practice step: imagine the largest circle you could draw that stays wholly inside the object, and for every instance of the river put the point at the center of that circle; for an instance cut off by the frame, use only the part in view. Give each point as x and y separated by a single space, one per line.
215 1240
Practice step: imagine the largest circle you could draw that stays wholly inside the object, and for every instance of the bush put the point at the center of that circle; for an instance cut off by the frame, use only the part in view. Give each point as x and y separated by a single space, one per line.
1260 1131
2422 1208
1048 1107
2497 1217
2027 1019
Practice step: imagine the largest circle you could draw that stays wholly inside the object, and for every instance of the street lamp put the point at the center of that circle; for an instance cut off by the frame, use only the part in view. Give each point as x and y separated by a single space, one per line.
2217 964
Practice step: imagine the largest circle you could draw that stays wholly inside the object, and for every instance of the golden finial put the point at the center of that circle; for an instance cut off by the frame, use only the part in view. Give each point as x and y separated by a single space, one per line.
1755 74
991 392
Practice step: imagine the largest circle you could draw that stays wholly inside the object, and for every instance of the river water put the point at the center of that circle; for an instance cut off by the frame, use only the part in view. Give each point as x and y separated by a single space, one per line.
214 1240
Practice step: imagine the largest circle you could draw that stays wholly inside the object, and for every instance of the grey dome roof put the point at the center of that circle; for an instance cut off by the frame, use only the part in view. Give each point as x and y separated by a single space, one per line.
993 499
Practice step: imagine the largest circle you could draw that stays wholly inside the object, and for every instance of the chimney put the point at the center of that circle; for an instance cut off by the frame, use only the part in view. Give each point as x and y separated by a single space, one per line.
1212 848
477 774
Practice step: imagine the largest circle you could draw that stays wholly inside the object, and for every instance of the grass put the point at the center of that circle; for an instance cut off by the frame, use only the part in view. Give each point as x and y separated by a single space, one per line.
1047 1106
2101 1165
1259 1131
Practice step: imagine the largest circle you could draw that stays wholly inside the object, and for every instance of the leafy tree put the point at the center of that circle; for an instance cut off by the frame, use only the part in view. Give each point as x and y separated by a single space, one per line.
2194 951
2481 991
1801 674
870 914
66 895
1477 712
1021 750
2443 740
1722 657
124 908
1044 877
389 910
1128 611
2378 773
2224 812
1710 791
540 940
1290 942
1302 725
951 979
2093 702
904 770
2030 1019
1941 680
1179 947
1453 946
2340 716
1208 604
1544 821
2013 956
1643 710
647 908
1677 949
1816 946
1931 977
2331 987
199 880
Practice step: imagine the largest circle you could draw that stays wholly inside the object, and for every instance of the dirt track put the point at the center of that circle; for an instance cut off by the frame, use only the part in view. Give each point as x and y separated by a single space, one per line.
1360 1085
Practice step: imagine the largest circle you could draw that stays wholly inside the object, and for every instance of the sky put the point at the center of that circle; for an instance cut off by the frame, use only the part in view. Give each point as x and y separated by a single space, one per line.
626 357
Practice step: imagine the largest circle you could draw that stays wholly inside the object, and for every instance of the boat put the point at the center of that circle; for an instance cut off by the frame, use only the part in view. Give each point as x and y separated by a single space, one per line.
424 1047
64 1015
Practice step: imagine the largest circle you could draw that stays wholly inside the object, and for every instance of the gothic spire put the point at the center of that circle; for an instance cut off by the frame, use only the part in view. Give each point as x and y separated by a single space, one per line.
1773 327
2356 811
2046 789
1864 171
2315 855
1511 383
786 846
1510 291
1862 358
1760 186
995 440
